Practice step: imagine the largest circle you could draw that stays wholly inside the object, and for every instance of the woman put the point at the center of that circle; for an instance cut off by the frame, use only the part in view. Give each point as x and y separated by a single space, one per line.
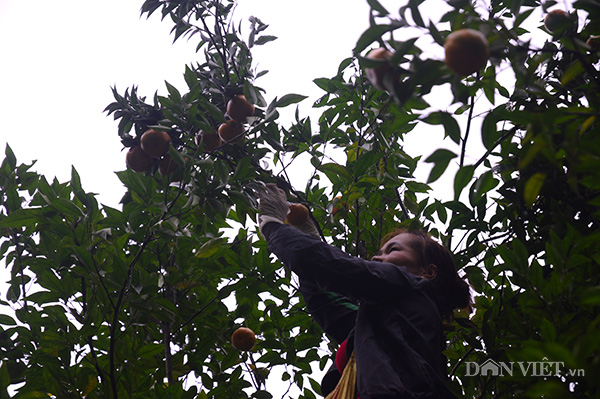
404 293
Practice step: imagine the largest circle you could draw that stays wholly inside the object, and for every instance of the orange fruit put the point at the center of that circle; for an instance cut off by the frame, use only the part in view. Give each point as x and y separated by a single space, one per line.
243 339
211 140
231 132
297 215
558 21
338 205
238 108
467 51
155 142
137 160
377 74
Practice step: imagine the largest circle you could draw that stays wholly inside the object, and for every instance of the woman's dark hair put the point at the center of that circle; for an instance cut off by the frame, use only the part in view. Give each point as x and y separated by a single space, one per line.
451 290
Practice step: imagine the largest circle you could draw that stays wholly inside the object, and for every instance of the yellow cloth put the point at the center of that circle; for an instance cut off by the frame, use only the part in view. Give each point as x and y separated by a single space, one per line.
346 387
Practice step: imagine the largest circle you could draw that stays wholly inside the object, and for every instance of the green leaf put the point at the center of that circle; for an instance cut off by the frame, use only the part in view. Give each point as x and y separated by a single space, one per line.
22 218
484 183
375 5
366 161
373 34
10 159
414 10
289 99
335 171
462 178
591 296
452 129
489 131
4 381
533 187
173 92
7 320
574 70
264 39
209 248
440 159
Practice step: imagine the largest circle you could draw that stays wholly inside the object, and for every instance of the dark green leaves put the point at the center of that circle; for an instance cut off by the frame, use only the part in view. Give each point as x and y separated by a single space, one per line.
451 127
373 34
289 99
440 160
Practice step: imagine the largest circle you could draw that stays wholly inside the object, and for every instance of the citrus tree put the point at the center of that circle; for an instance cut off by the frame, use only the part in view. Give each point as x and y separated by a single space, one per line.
142 300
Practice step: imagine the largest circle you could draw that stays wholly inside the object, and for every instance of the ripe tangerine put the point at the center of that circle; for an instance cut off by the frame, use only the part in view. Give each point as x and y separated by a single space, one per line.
137 160
338 205
231 132
467 51
377 74
297 215
557 21
238 108
243 339
211 140
155 142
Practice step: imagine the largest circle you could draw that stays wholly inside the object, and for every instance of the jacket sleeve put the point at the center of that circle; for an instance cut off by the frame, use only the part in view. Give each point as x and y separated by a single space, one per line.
335 313
334 270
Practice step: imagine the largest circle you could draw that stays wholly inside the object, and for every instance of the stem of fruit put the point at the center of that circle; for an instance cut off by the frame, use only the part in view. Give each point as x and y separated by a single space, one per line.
464 141
255 379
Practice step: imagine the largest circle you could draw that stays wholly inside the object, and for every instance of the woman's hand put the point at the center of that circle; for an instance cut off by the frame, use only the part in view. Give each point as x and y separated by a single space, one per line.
273 205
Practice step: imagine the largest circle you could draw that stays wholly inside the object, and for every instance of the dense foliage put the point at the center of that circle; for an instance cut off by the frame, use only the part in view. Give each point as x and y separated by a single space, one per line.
141 301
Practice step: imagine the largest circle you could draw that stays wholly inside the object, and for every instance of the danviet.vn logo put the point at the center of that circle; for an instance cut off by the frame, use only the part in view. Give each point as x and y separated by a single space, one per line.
543 368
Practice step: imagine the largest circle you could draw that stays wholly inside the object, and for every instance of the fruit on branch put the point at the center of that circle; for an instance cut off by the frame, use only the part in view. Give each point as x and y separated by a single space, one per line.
338 205
467 51
376 75
231 132
238 108
559 22
137 160
297 215
211 140
243 339
155 142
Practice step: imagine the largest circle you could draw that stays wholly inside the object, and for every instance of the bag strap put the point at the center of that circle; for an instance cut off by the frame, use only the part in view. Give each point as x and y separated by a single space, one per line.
346 387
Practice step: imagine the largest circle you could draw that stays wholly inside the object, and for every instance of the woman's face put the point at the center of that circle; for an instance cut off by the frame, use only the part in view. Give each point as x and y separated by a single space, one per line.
398 250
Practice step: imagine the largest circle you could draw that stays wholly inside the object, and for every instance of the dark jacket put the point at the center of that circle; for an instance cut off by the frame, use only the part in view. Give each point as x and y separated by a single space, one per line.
396 328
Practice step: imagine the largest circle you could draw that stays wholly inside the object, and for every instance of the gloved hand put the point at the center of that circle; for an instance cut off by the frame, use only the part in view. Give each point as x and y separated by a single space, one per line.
273 206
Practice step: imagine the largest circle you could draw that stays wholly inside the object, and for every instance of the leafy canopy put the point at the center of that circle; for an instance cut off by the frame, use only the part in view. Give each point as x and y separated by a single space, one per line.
141 301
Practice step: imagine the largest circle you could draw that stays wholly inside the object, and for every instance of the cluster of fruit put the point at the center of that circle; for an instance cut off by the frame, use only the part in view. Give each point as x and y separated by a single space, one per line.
559 23
467 50
154 144
233 130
